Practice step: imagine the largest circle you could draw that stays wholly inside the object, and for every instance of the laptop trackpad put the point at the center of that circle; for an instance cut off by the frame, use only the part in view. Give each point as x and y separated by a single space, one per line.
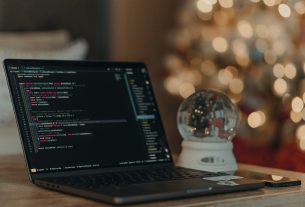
178 185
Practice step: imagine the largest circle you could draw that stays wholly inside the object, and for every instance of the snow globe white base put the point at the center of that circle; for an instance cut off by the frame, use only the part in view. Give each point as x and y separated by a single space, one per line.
208 156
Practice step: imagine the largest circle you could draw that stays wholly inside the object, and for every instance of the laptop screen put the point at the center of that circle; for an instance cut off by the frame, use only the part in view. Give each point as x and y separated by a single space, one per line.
86 115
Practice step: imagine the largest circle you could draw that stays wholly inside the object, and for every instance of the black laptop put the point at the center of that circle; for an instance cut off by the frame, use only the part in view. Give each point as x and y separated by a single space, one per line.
93 129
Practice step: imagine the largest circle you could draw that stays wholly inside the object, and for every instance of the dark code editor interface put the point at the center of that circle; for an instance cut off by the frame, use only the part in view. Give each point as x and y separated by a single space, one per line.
76 118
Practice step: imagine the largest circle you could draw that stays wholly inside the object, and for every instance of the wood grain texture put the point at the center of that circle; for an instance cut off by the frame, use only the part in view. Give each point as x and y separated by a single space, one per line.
16 190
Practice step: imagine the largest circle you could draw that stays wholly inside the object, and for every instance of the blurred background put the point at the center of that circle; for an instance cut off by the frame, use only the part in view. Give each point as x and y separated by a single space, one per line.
251 50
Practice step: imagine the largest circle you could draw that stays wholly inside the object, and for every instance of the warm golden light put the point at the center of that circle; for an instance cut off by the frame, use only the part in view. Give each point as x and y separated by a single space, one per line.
226 3
205 6
269 57
220 44
233 70
278 70
256 119
186 89
280 86
239 48
290 71
297 104
190 76
276 177
172 85
208 68
224 76
299 7
269 2
236 86
284 10
295 117
243 61
300 133
245 29
304 97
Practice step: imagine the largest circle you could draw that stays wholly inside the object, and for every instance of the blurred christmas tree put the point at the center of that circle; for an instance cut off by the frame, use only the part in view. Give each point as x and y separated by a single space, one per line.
254 52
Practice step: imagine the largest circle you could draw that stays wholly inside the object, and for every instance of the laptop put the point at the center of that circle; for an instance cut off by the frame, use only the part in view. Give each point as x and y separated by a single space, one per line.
93 129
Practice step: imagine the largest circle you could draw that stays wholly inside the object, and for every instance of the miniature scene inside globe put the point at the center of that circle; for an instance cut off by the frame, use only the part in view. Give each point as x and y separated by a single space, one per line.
207 115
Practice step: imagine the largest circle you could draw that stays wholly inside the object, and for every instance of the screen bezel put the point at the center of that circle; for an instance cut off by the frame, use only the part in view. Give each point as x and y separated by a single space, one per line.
31 62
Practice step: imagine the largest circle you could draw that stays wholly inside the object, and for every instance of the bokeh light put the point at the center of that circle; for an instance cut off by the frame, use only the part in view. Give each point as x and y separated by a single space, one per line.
245 29
205 6
284 10
280 86
297 104
256 119
278 70
186 89
220 44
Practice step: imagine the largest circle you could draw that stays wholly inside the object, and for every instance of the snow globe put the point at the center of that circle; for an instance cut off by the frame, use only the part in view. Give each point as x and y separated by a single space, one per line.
207 121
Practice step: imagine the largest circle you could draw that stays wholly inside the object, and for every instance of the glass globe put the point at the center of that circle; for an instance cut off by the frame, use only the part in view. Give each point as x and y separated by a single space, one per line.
207 115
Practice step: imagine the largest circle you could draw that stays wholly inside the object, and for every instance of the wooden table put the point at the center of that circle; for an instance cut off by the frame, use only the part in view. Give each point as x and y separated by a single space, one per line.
16 190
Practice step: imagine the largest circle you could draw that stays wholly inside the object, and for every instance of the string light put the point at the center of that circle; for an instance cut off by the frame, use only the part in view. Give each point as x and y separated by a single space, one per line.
220 44
280 86
236 86
186 89
269 2
284 10
297 104
208 68
226 3
278 70
290 71
205 6
299 7
256 119
172 85
239 48
245 29
269 57
225 76
295 117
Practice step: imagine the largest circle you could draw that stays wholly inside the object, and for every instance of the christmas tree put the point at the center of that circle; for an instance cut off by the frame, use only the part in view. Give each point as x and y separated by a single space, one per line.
254 52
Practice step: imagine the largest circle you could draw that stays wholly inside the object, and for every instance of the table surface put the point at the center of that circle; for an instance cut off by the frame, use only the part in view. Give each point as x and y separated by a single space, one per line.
16 190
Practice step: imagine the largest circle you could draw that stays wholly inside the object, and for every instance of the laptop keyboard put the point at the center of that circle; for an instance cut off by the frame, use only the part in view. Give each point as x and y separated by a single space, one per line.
131 177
